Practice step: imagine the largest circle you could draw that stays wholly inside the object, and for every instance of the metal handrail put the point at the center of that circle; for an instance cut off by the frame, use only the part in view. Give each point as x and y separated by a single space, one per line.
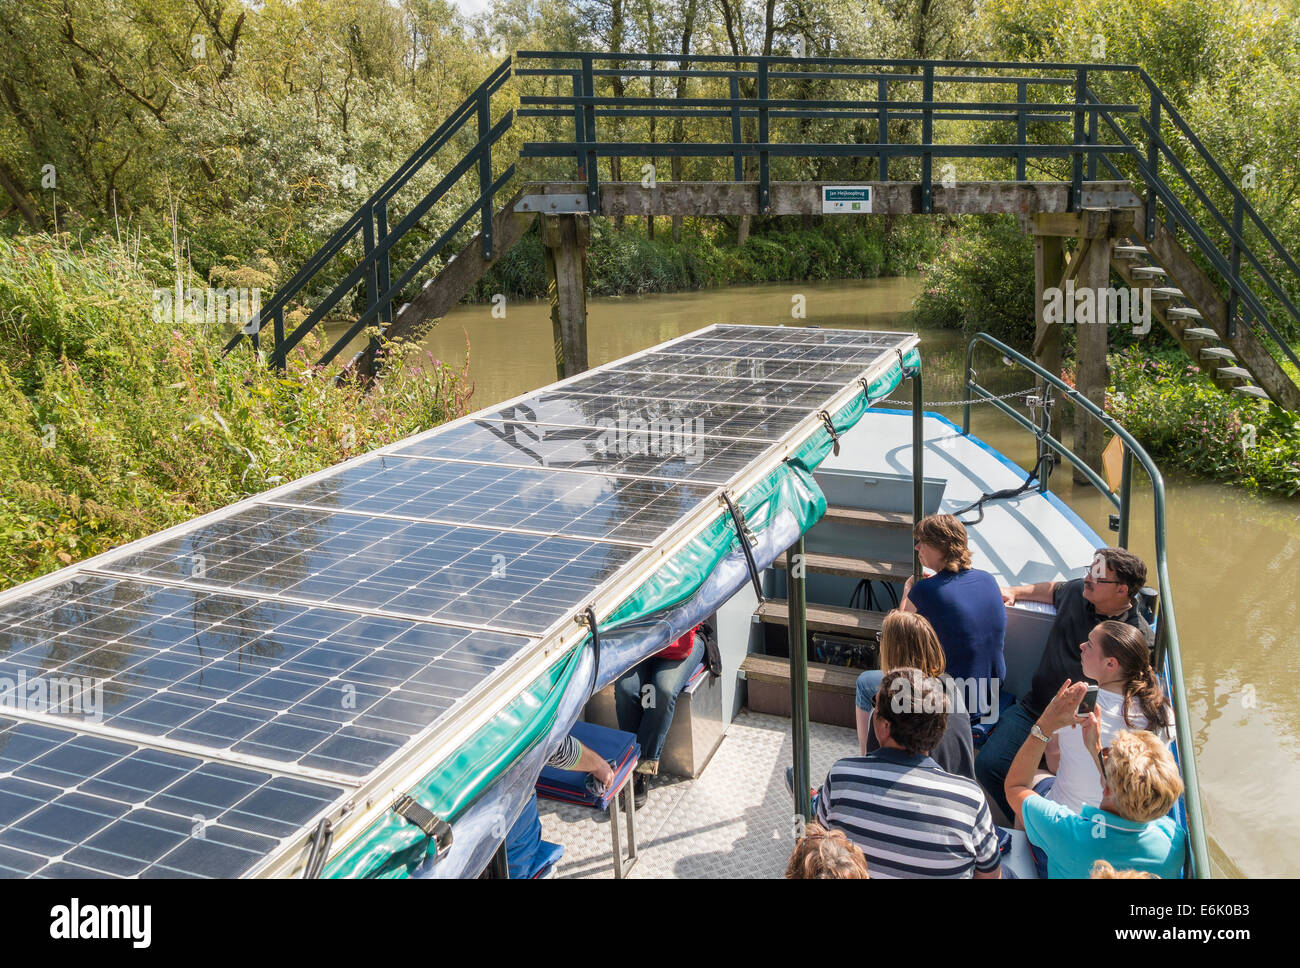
370 222
1167 637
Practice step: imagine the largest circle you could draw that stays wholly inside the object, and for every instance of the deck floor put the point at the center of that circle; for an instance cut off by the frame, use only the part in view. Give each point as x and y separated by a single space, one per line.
735 821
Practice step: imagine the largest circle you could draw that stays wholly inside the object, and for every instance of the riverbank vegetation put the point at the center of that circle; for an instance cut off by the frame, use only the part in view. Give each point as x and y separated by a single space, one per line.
1184 421
117 421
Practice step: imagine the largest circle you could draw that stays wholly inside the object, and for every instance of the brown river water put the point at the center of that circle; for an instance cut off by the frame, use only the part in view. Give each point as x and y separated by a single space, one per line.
1234 556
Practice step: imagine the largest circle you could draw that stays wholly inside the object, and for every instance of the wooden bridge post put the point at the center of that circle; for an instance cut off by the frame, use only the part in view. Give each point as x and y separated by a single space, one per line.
1049 267
564 239
1091 374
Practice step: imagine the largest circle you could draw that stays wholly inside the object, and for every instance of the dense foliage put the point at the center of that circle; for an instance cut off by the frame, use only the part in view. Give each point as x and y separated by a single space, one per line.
1185 421
116 422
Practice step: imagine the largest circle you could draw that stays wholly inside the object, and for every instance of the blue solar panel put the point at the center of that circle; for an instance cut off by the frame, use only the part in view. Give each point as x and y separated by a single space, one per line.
679 449
81 806
767 422
324 689
460 575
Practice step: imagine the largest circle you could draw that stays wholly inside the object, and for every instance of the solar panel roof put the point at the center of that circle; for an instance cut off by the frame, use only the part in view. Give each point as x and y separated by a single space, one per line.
241 676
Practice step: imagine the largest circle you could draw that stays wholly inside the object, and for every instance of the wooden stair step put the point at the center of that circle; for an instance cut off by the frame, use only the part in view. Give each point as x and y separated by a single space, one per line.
1233 372
850 567
1130 251
855 622
1218 353
1185 312
1199 332
821 677
1250 390
883 519
1148 272
1166 292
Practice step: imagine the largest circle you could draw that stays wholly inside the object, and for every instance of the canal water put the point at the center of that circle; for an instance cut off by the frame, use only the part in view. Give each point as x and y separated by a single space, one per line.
1235 557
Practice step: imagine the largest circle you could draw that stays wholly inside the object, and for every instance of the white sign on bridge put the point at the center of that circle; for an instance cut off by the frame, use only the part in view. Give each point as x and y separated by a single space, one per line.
839 199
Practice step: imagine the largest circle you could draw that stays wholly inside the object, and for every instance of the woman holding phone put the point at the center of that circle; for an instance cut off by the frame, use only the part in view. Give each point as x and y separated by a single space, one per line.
1116 657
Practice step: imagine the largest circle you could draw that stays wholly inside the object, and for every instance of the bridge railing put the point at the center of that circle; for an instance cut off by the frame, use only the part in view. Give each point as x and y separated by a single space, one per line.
368 229
1167 655
763 118
1225 242
1041 109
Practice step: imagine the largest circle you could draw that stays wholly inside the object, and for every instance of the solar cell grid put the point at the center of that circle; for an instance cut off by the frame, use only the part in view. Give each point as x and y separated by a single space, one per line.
545 500
742 368
561 408
672 448
73 805
420 570
789 393
327 690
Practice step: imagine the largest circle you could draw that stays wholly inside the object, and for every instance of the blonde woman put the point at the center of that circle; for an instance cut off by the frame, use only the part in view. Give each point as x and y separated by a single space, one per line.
826 855
907 640
1131 829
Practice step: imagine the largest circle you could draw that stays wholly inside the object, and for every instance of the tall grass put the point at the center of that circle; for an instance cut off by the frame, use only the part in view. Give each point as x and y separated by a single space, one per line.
115 424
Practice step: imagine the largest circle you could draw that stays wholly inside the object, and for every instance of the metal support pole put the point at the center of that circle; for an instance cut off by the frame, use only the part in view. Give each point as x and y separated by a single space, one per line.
1092 140
927 136
1076 176
918 462
882 134
1044 424
579 128
1022 127
277 321
371 282
485 173
798 638
1238 213
764 170
1125 496
738 160
1153 164
589 126
382 270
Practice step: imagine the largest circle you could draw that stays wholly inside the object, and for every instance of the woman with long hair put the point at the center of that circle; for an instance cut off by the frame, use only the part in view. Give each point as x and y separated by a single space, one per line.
908 641
1117 658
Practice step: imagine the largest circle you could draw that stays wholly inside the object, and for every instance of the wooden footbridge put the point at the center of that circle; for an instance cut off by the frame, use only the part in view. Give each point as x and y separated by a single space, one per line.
548 135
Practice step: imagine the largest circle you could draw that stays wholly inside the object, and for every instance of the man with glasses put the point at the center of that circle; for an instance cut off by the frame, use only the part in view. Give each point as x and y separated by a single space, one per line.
1106 591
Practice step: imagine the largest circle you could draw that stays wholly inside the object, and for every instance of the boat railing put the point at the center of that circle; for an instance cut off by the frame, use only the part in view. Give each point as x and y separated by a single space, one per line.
1167 651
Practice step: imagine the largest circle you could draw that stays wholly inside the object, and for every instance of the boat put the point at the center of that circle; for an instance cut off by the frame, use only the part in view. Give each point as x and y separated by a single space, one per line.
362 672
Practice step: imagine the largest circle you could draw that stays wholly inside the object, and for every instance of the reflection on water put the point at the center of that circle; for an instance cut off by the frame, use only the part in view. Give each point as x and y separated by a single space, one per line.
1234 556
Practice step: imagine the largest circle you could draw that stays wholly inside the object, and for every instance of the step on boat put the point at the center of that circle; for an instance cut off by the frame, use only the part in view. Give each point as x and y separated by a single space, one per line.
362 672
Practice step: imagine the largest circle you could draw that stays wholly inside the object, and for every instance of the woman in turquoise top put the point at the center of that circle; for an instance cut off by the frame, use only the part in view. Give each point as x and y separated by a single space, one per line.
1140 784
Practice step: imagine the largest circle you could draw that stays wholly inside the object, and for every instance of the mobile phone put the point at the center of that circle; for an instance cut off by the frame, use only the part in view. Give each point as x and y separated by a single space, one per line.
1089 701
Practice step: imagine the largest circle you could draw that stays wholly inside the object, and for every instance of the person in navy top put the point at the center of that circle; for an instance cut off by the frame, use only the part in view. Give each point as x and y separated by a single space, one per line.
964 605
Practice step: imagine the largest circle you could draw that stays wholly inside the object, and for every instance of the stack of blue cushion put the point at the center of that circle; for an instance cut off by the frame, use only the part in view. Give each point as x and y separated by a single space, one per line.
618 748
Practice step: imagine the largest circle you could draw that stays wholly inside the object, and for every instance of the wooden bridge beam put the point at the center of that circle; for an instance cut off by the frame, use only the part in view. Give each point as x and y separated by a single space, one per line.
804 197
564 239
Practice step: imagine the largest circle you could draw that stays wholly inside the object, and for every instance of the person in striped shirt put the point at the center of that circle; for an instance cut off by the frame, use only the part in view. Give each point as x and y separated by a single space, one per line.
910 818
